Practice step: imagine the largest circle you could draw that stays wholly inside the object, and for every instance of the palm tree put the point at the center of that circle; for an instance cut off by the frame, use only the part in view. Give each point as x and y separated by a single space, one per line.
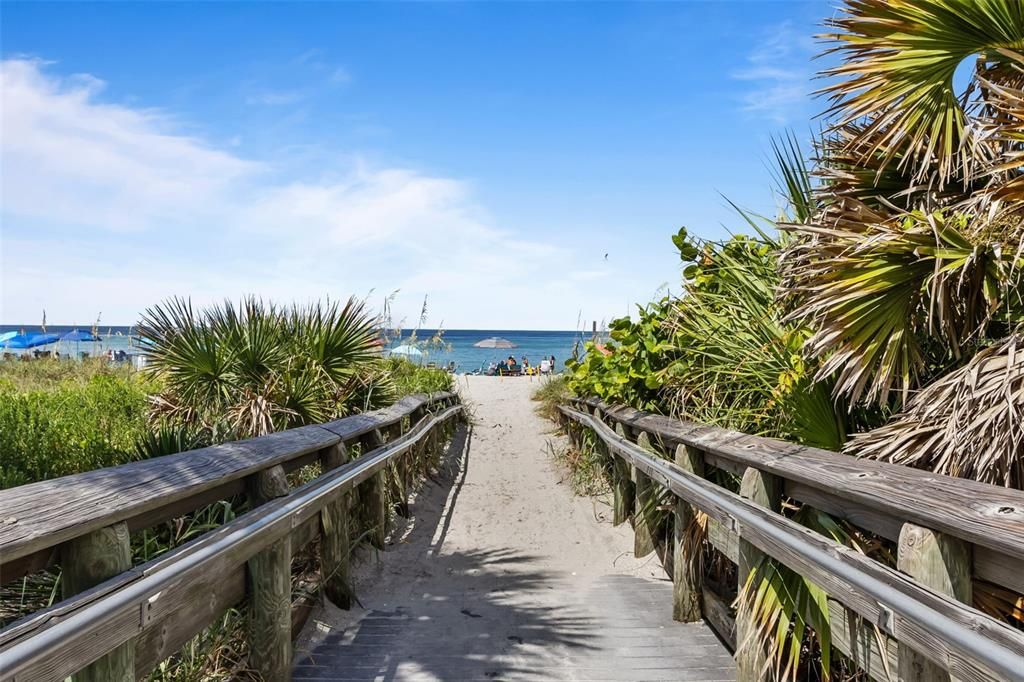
240 371
908 268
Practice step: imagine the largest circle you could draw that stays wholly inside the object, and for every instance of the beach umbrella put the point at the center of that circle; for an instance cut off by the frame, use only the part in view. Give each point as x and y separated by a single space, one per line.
494 342
7 336
30 340
76 335
406 350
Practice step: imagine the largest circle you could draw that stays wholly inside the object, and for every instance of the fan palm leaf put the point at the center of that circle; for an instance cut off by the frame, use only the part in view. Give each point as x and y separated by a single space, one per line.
254 368
874 293
900 58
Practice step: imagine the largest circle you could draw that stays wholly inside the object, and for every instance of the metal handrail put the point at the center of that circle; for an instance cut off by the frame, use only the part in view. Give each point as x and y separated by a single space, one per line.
36 653
883 595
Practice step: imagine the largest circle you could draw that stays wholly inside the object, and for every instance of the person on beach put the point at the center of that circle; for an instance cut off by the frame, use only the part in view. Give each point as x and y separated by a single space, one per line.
553 365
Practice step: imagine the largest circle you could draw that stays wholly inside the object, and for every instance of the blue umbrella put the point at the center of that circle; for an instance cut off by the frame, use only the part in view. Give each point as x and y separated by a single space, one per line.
30 340
76 335
7 335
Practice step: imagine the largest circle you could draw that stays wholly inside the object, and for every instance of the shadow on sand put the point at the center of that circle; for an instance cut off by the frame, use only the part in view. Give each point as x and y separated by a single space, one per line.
429 614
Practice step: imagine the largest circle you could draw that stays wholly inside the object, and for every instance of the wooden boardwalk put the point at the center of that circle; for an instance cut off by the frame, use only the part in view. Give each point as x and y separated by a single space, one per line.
500 571
502 574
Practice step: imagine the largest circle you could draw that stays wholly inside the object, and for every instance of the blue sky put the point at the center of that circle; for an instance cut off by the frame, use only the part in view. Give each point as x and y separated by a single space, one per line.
485 155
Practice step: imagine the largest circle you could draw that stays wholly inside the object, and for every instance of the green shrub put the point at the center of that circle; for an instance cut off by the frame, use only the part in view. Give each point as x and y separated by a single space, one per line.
49 373
409 378
74 426
629 368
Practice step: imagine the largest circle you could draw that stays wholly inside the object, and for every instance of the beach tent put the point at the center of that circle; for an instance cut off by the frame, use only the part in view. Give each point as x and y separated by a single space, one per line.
494 342
406 350
30 340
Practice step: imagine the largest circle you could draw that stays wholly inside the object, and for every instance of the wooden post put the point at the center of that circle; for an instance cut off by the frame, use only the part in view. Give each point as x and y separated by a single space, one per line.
645 498
751 658
606 457
85 562
687 582
942 563
623 486
334 544
403 467
436 448
374 494
270 590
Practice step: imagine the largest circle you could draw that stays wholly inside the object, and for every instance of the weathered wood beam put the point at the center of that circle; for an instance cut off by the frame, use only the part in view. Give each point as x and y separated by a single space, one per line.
687 582
86 562
622 486
373 494
943 564
751 659
270 590
334 544
152 491
645 501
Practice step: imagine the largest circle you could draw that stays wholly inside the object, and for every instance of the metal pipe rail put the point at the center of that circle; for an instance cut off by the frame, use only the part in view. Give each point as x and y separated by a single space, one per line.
960 639
124 606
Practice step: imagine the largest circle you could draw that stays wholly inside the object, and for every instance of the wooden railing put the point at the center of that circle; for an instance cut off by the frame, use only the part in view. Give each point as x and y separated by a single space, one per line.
118 622
950 534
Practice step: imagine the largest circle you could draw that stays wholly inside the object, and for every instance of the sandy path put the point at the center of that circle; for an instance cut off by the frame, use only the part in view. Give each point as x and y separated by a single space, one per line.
503 574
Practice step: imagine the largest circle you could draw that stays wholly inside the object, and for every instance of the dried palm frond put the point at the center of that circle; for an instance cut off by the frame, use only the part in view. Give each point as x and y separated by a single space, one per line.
1002 126
873 293
859 184
968 423
998 602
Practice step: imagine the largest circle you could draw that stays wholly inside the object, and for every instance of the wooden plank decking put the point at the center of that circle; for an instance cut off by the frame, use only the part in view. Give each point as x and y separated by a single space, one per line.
614 628
504 575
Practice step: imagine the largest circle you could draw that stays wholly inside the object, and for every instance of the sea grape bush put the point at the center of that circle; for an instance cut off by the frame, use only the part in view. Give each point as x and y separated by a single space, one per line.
629 367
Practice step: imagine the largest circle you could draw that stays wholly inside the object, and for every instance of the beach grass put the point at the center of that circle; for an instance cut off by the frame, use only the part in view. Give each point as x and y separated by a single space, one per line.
552 392
59 418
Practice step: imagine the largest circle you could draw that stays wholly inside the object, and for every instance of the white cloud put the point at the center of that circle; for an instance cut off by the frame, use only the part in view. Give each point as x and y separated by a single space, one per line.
111 208
779 72
274 97
63 150
340 76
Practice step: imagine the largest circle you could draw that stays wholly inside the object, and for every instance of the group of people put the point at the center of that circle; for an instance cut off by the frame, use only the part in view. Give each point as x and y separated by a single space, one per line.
511 367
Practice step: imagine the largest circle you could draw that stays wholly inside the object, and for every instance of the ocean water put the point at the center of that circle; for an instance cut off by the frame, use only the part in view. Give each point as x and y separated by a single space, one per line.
457 345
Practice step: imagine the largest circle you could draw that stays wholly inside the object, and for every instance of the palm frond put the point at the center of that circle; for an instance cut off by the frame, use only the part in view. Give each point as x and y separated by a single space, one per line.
793 177
873 293
900 57
247 370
